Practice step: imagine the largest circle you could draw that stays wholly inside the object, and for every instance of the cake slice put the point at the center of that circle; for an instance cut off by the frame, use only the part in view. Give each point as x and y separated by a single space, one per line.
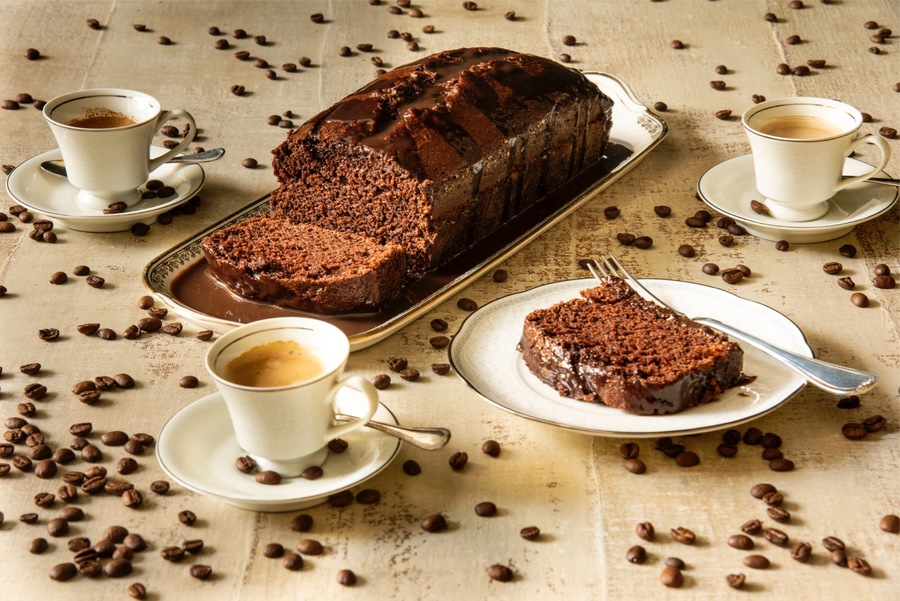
270 259
611 346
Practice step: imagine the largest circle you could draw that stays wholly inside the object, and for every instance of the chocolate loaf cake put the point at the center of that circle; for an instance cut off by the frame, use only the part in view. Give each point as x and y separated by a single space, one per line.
436 154
271 259
613 347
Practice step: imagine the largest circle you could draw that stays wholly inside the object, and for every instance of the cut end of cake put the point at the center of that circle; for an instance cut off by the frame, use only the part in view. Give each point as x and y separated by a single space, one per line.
613 347
301 266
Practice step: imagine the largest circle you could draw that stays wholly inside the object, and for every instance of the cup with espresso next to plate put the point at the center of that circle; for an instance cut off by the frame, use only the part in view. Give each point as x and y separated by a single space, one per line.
279 379
799 146
105 137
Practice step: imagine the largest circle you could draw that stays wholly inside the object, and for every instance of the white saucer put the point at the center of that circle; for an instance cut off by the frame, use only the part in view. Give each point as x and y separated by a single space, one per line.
485 355
54 197
197 448
730 186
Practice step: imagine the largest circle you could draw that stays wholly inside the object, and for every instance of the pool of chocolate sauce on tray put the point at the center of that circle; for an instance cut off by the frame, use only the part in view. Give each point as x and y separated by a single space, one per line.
196 288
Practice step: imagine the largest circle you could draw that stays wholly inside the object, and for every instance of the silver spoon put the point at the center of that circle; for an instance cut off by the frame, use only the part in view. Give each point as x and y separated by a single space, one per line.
58 167
429 439
886 181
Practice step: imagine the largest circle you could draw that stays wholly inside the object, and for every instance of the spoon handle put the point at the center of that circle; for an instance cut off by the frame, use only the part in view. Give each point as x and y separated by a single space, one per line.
887 181
429 439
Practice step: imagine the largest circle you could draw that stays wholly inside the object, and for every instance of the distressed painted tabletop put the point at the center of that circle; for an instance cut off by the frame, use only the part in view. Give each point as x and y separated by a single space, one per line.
572 486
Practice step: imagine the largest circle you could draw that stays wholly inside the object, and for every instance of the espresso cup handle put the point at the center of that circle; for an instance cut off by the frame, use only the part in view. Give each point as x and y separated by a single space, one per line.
160 121
885 157
364 386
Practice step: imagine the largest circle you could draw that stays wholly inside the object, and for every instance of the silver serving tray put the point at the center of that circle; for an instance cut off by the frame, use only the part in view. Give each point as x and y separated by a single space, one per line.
635 132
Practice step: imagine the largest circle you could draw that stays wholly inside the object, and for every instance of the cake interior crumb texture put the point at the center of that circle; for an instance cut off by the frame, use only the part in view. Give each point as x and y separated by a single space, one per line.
611 346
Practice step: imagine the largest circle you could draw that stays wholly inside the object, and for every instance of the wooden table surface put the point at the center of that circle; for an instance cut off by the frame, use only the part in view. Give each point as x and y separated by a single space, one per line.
572 486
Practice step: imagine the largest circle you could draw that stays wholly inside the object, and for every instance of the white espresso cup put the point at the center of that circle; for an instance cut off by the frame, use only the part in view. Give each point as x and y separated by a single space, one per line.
279 378
799 146
105 135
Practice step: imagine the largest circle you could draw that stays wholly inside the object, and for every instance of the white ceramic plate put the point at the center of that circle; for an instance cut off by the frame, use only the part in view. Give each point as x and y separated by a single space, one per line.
730 186
55 198
197 448
634 127
484 354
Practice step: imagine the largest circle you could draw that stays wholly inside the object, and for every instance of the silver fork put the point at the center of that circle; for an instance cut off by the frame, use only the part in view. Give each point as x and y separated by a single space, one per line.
832 378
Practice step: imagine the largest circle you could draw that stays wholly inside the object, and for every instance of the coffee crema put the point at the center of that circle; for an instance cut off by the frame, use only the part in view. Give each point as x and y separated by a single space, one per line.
799 127
105 120
278 363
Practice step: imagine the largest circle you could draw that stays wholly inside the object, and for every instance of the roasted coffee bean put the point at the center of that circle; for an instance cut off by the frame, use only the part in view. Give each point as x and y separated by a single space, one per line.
846 283
676 44
6 450
201 571
48 334
736 580
500 276
740 541
292 561
132 498
67 493
486 509
753 436
135 542
302 522
313 472
499 572
776 537
81 429
643 242
710 268
635 466
45 469
380 381
117 568
63 571
662 210
397 364
57 527
890 523
884 282
779 514
172 553
671 577
26 409
611 212
114 438
686 250
245 464
629 450
773 499
717 84
839 557
411 467
735 229
832 543
687 459
458 460
71 513
770 440
859 566
107 334
530 532
434 523
832 268
887 132
751 527
44 499
273 550
134 446
58 278
123 553
683 535
159 487
341 499
124 380
440 369
757 562
89 397
859 299
136 590
694 222
782 464
204 335
854 431
467 304
93 485
645 531
491 447
87 328
337 445
38 546
875 423
847 250
439 342
187 517
309 546
625 239
75 478
732 276
801 552
105 383
636 554
188 382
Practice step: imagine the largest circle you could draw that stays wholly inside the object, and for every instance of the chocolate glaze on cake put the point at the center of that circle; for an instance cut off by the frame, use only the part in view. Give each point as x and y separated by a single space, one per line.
301 266
436 154
613 347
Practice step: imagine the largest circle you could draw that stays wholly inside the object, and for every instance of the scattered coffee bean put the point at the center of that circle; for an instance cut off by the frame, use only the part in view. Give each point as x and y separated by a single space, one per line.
776 537
635 466
781 465
273 550
63 571
683 535
859 566
859 299
467 304
313 472
887 132
347 577
172 553
458 460
832 268
611 212
499 572
686 250
687 459
409 374
847 250
732 276
874 423
380 381
411 468
309 546
740 541
676 44
671 577
726 240
201 571
341 499
884 282
779 514
440 369
439 342
736 581
486 509
710 268
801 552
302 522
292 561
530 532
643 242
890 523
491 447
846 283
645 531
187 517
188 382
434 523
839 558
636 554
660 107
757 562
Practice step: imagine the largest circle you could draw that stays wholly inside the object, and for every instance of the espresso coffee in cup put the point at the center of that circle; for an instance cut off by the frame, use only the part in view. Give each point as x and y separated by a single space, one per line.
279 379
105 137
799 146
276 363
